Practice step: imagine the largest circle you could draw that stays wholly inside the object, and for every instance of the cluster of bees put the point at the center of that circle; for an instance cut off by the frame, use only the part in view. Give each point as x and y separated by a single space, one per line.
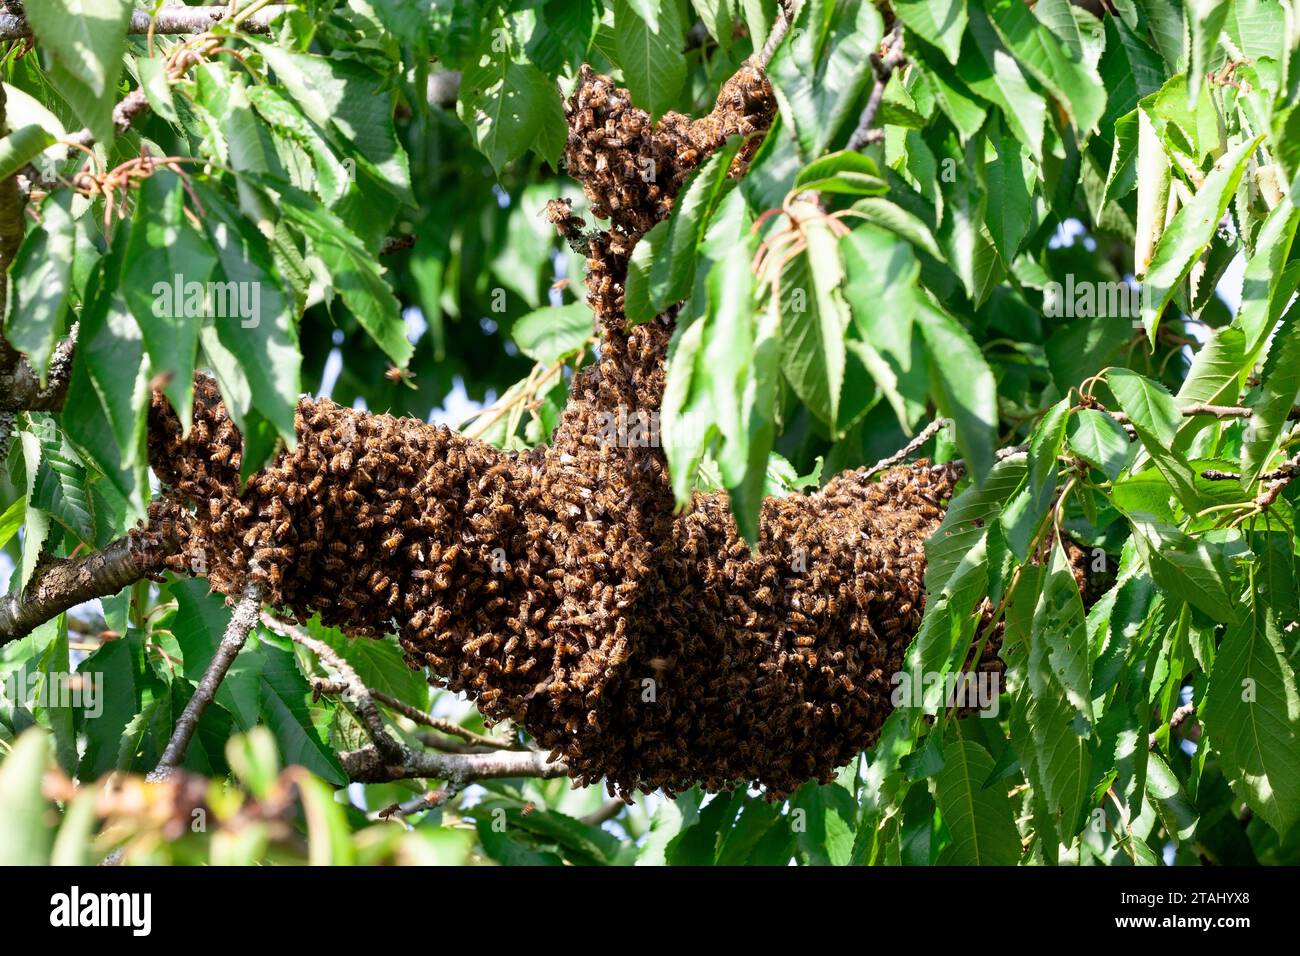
557 586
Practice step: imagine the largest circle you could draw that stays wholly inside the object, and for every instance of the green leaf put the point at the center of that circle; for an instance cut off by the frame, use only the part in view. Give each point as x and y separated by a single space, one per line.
1190 232
1251 714
110 348
86 40
1012 179
966 522
662 270
901 222
11 520
990 72
1148 404
60 488
22 146
846 171
38 522
26 836
979 818
963 386
261 333
509 108
1156 419
42 283
1059 654
130 684
353 102
1205 21
1279 390
1184 566
378 662
1100 441
547 334
1261 281
506 850
940 23
329 837
881 272
168 270
1026 512
356 277
1214 379
650 49
814 318
822 67
156 83
300 729
1053 63
1172 803
828 825
1051 739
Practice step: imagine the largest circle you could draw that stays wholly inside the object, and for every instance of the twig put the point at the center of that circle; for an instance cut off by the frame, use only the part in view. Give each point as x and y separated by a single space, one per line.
425 801
788 14
1278 480
928 432
607 812
442 724
362 696
1198 408
883 68
1176 720
232 642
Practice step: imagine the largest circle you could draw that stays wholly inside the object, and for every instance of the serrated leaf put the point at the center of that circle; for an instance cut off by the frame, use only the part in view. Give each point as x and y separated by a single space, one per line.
962 385
1252 715
1190 232
979 818
650 50
1100 441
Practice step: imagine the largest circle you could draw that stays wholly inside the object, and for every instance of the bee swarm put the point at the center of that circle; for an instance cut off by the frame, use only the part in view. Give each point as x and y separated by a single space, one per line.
556 586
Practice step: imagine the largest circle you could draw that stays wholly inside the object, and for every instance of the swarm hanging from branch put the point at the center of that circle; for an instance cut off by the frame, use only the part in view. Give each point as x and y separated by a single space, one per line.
557 586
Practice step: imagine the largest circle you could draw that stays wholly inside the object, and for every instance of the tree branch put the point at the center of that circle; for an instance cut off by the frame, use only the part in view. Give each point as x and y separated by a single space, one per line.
67 582
926 434
387 745
1176 719
232 642
20 386
170 20
786 16
883 67
367 765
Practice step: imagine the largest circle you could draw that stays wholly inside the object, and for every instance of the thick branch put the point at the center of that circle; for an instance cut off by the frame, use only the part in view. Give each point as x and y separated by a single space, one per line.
67 582
170 20
20 386
368 766
232 642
